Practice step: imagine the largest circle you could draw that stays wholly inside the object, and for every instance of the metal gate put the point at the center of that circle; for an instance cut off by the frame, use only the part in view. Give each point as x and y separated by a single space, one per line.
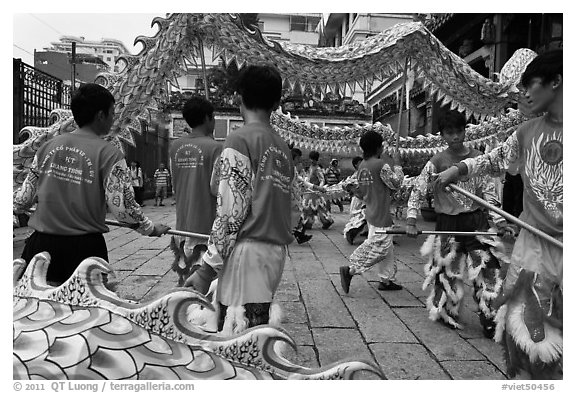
36 94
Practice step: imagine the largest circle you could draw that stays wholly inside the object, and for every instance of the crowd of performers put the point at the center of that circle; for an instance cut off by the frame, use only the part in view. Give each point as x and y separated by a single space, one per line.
251 198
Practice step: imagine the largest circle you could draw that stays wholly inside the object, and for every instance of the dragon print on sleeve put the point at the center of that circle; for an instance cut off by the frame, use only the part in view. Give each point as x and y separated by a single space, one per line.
120 199
419 189
393 178
23 198
501 159
233 200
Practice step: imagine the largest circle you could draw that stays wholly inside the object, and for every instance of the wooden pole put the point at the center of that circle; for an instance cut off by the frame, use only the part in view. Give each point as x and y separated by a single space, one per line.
449 233
170 232
131 226
506 215
401 103
205 77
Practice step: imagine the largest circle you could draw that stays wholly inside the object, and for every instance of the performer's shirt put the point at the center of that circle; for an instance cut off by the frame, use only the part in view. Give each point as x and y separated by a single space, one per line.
452 203
255 189
161 176
74 177
193 163
316 176
376 180
535 151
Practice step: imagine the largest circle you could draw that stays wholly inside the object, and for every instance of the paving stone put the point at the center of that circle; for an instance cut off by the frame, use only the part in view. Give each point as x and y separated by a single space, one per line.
308 270
336 345
122 241
135 287
415 288
293 312
492 350
157 291
120 275
323 305
407 361
472 370
471 323
287 292
296 249
300 333
131 263
409 276
154 267
401 298
286 296
443 342
332 263
305 356
377 322
359 287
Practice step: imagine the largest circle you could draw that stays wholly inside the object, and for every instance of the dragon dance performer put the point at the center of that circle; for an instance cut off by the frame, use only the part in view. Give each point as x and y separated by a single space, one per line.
193 163
301 186
378 176
357 222
332 176
315 204
530 323
453 259
252 228
75 177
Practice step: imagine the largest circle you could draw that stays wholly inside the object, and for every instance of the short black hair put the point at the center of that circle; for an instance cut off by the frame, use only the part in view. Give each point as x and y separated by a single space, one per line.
196 109
370 142
545 66
260 86
296 152
356 160
314 155
88 100
451 119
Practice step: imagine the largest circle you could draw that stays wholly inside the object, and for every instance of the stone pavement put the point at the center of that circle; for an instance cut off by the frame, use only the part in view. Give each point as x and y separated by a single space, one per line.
391 329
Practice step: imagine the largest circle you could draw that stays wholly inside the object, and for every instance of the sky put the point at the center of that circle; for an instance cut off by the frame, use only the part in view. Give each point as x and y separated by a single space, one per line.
36 31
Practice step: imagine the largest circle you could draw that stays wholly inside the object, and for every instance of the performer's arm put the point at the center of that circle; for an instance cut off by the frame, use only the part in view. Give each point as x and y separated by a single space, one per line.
418 190
233 200
215 177
119 196
496 162
23 198
321 177
499 160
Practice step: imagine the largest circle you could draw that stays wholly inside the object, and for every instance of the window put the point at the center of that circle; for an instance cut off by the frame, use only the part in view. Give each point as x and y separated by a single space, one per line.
297 23
303 23
220 129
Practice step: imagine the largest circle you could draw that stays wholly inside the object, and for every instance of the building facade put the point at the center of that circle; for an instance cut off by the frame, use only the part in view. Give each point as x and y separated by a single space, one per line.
107 49
90 58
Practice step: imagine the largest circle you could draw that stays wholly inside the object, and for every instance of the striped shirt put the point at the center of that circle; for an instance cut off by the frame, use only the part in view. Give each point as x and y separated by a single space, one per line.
161 176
